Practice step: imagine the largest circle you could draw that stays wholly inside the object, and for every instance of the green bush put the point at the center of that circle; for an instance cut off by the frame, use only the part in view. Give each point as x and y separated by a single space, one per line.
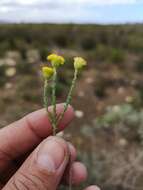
116 55
61 40
4 46
24 67
3 78
44 51
125 120
135 43
28 89
88 43
102 52
139 64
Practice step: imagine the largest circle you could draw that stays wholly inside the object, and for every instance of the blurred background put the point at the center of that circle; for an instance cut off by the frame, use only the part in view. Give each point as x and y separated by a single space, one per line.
108 99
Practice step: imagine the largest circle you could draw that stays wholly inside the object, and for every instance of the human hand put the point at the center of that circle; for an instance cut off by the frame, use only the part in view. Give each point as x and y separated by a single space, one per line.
31 159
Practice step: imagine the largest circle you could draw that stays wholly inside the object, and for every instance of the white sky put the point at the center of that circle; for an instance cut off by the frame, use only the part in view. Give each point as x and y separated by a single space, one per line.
95 2
76 10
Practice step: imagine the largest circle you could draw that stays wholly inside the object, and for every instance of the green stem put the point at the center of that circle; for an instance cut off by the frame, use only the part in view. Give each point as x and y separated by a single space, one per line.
54 101
69 97
46 99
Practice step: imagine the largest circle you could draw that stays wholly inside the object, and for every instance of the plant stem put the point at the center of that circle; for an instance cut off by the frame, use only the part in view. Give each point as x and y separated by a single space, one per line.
46 100
54 101
69 97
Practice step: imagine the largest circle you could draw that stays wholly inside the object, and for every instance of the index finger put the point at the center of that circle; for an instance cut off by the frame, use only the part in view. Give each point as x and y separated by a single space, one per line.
23 135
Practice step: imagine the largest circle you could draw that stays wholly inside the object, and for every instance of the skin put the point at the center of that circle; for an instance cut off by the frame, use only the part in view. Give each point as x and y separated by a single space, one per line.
32 159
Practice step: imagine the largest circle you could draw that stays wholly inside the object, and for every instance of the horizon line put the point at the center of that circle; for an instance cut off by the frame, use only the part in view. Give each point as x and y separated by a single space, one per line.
74 23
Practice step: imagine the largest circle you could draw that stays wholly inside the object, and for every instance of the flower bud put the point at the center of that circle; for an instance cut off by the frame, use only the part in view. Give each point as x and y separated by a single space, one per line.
56 60
47 72
79 63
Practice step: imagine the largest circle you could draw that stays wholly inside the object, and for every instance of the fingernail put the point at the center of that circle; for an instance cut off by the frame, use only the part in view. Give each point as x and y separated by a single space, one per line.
93 187
51 155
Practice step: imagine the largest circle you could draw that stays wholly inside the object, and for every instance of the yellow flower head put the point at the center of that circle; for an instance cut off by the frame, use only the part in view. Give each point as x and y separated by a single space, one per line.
56 60
47 72
79 63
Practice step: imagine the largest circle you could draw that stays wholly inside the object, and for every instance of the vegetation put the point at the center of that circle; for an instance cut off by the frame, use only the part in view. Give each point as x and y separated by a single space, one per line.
108 99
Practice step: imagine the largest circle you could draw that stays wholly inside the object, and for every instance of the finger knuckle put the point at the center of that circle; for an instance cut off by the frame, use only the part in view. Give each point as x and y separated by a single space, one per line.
18 184
4 155
28 182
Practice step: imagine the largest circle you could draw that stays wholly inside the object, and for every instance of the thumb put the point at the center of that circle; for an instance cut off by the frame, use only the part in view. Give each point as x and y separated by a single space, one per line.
44 168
